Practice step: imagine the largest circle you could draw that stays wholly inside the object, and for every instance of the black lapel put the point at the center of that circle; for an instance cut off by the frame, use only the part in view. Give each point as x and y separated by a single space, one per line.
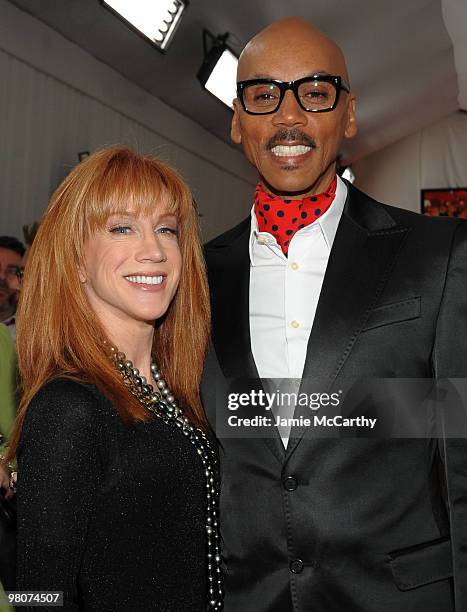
361 260
228 264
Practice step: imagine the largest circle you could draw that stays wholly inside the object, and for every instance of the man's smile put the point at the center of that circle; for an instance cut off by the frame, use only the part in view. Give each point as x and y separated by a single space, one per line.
291 150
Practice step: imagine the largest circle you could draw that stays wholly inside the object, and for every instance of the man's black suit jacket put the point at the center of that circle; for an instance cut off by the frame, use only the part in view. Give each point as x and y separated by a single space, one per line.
370 525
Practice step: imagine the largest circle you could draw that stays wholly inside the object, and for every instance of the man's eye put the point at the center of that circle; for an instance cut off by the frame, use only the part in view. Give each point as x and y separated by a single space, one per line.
315 94
120 229
267 95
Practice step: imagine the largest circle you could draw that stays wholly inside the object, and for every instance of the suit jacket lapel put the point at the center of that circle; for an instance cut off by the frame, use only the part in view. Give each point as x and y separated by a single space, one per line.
229 279
361 260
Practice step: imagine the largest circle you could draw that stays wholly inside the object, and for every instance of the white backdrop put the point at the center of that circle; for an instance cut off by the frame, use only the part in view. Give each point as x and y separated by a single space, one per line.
435 157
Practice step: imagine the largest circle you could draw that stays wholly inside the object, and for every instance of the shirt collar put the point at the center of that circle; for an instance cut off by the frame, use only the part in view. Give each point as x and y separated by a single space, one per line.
10 321
328 224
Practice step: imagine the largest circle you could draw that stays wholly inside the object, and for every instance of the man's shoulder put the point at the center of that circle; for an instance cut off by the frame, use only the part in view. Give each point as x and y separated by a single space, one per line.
7 345
410 219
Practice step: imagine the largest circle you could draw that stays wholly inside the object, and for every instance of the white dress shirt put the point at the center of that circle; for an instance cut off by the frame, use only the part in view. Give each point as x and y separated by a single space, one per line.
284 291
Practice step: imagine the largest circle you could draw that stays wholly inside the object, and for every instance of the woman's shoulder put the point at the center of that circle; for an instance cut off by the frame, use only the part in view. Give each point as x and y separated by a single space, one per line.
68 389
65 398
63 413
65 423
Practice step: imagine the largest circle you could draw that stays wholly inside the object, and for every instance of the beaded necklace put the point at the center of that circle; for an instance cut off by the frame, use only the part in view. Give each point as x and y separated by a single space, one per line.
162 403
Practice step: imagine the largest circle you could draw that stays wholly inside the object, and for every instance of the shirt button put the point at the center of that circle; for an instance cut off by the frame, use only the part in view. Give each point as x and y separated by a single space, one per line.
296 566
294 265
295 324
290 483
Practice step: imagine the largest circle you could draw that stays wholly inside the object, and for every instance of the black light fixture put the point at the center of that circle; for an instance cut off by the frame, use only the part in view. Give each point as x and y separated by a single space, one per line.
218 73
156 21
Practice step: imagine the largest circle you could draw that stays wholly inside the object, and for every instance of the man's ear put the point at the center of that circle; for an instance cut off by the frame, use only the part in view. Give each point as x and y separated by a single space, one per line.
351 127
235 132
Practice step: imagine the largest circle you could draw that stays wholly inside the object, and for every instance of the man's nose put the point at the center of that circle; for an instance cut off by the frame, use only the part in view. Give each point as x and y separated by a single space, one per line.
290 112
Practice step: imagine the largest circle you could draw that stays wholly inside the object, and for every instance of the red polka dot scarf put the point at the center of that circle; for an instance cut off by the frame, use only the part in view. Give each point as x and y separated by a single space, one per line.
282 218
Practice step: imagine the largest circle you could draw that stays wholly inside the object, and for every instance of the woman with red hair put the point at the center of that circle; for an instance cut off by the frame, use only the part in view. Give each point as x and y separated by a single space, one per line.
117 474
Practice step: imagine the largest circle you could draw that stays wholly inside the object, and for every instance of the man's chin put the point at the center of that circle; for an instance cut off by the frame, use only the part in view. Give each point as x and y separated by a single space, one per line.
291 188
293 181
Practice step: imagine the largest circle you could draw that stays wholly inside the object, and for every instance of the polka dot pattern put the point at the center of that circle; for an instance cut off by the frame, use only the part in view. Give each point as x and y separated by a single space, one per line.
283 215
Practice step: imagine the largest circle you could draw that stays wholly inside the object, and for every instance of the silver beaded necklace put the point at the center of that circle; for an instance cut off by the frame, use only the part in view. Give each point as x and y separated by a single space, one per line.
162 403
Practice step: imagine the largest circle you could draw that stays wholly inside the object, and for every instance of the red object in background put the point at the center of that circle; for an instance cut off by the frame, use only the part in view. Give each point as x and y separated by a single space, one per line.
445 202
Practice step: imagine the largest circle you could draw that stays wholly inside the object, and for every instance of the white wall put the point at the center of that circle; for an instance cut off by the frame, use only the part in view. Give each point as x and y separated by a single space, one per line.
56 100
435 157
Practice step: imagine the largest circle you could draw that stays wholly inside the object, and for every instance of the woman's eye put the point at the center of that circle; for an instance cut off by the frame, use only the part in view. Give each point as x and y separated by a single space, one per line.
120 229
168 230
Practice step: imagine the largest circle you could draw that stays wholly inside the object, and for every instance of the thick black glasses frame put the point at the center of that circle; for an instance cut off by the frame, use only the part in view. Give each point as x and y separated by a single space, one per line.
293 85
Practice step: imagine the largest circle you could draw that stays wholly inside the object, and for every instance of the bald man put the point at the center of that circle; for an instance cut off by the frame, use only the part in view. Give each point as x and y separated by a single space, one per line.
325 285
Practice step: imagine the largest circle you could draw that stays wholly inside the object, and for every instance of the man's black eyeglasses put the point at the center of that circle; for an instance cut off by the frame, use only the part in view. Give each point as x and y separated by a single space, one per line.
315 94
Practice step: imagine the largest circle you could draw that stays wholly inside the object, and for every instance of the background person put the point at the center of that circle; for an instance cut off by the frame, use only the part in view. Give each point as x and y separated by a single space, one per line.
11 262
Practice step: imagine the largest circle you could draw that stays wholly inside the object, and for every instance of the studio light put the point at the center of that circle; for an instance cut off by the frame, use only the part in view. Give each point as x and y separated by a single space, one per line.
156 20
218 74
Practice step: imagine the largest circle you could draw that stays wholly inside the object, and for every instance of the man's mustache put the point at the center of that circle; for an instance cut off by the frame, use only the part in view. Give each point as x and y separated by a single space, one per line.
292 135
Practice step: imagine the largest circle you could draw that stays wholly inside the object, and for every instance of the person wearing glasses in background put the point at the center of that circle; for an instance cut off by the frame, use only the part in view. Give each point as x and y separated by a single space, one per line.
11 265
11 270
13 257
322 283
12 260
12 253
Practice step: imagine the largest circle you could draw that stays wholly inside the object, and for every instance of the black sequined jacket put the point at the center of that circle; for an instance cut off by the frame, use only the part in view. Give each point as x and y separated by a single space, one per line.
111 514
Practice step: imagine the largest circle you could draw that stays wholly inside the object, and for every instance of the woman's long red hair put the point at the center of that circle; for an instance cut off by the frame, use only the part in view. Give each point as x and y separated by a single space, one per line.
58 335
